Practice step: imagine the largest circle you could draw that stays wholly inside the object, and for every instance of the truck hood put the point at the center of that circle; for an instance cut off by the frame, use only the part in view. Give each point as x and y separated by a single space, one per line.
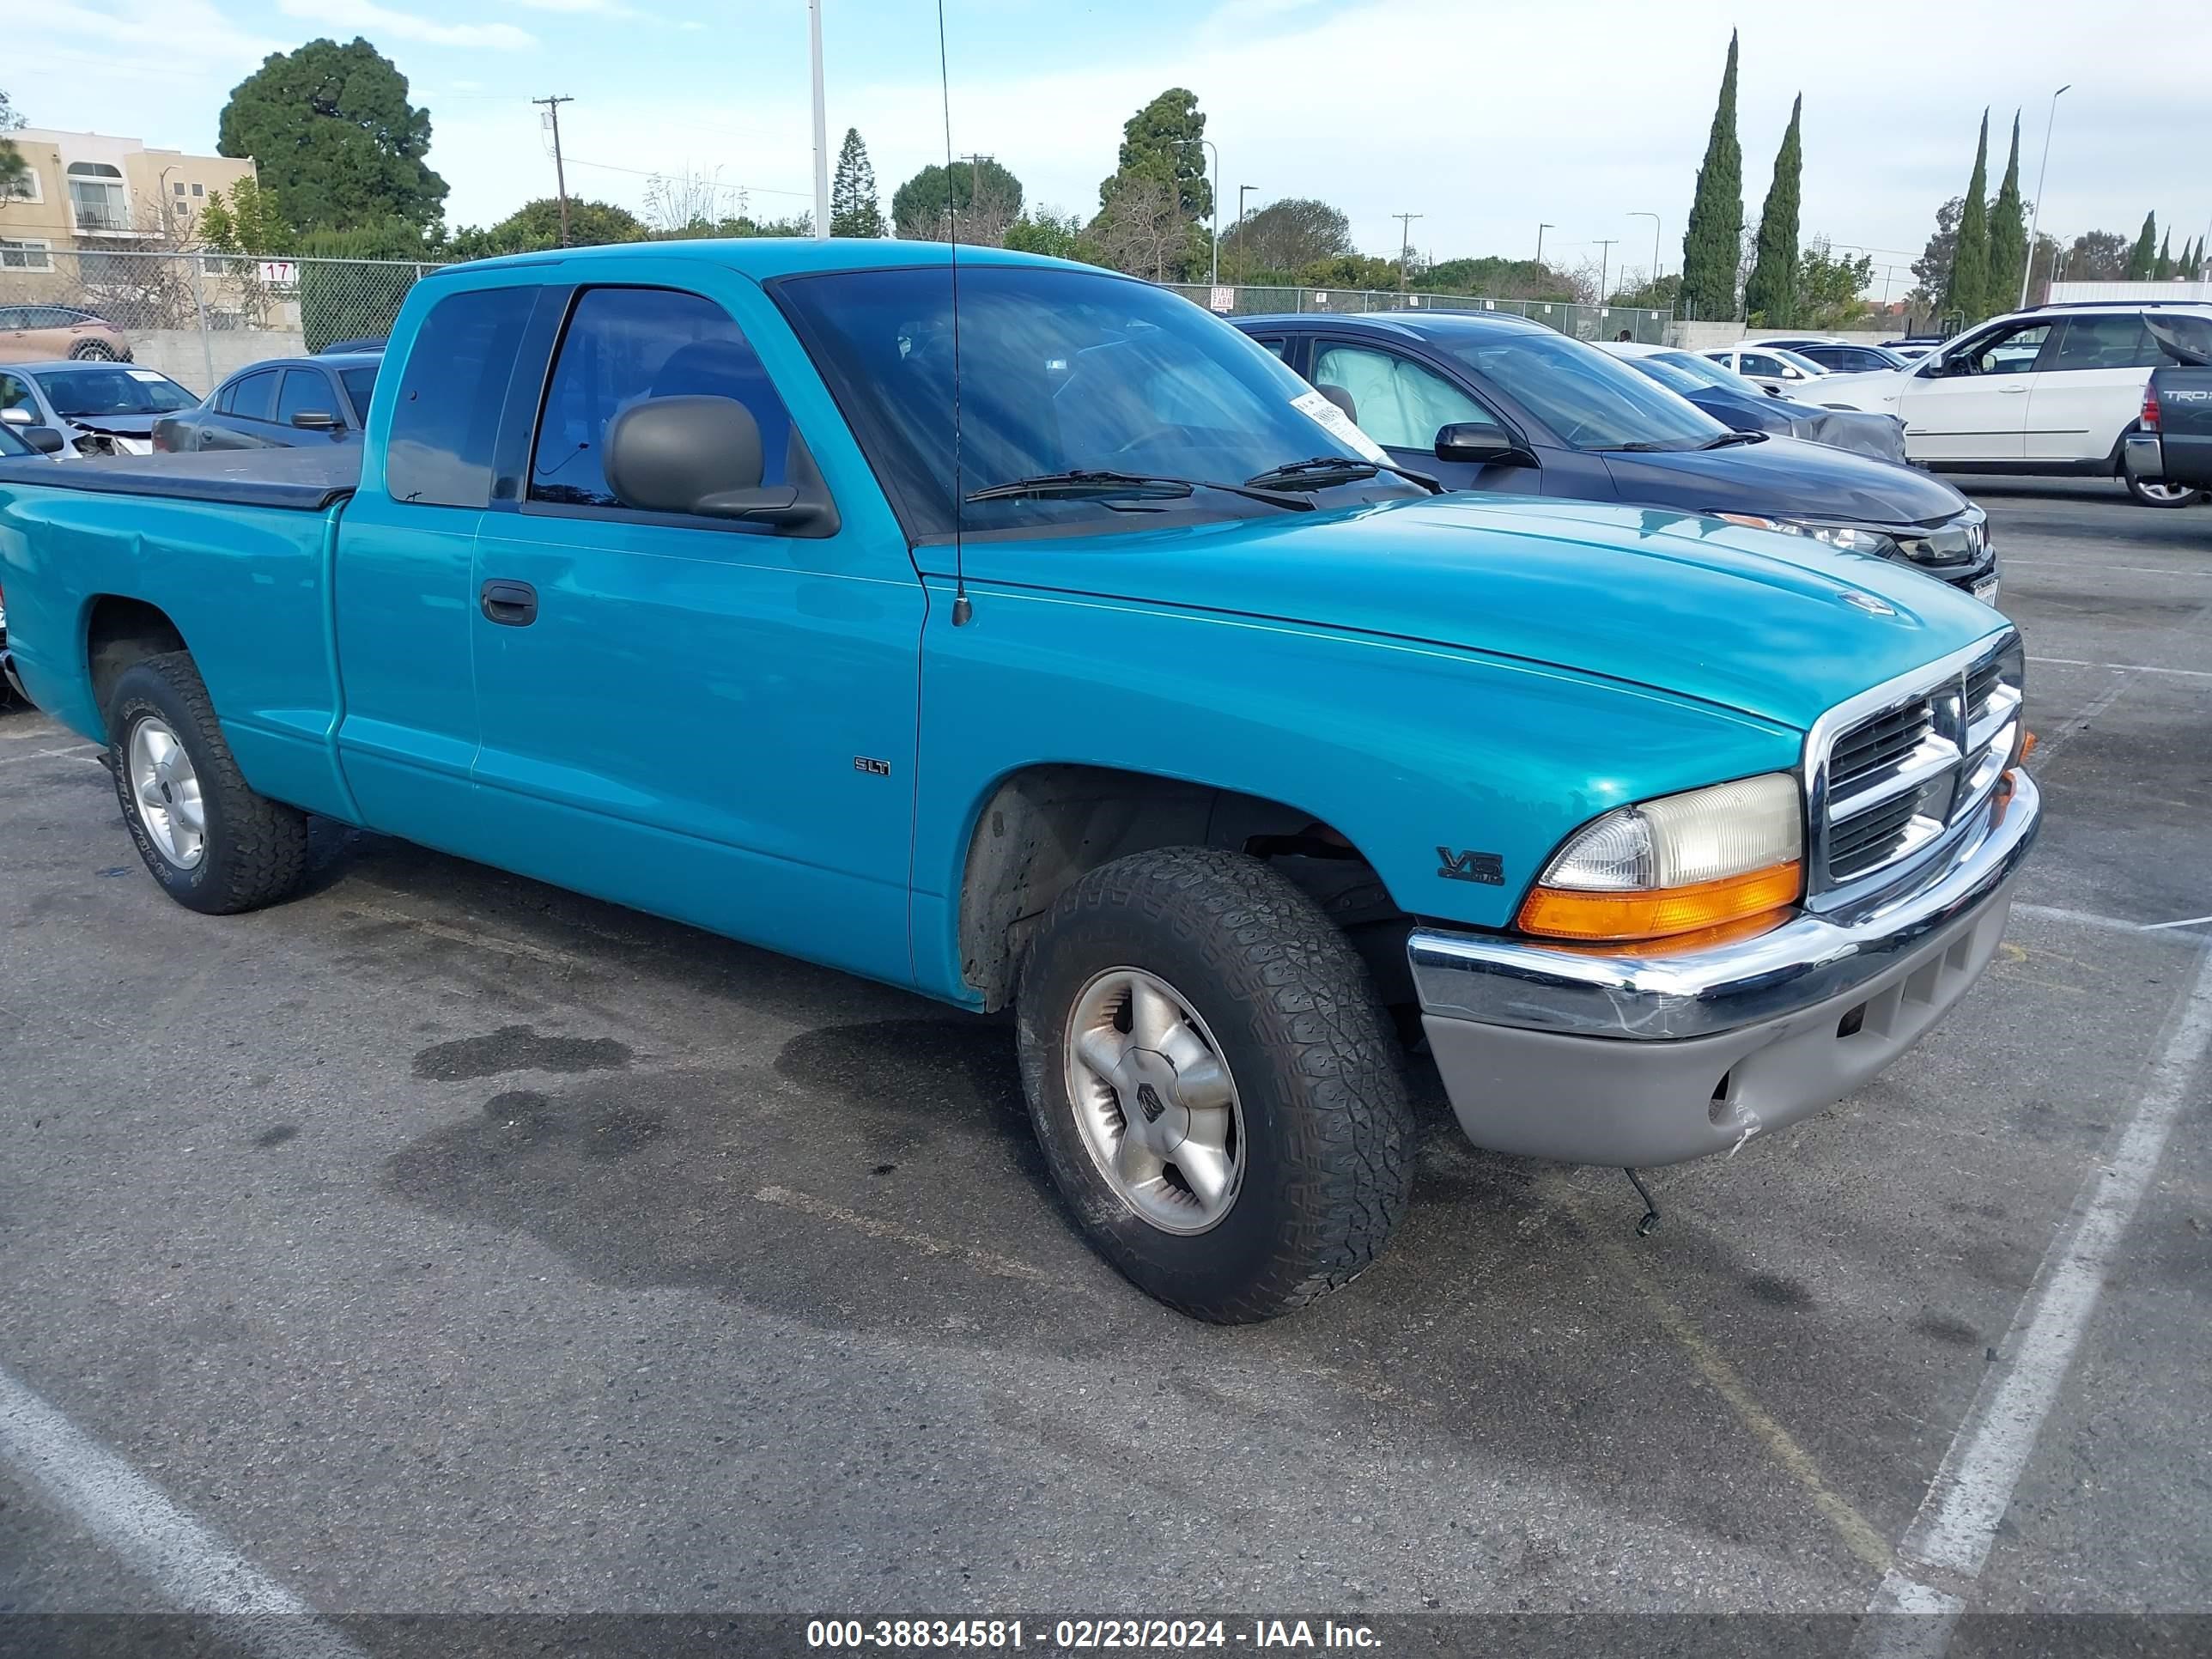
1775 626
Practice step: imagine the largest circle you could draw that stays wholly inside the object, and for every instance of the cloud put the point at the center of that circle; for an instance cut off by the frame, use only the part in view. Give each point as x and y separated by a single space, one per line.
604 7
369 17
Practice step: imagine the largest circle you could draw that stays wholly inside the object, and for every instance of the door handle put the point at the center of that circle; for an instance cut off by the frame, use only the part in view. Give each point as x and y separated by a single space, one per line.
511 605
2012 392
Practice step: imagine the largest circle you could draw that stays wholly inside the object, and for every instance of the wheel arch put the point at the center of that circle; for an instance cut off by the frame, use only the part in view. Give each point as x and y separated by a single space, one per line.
1041 827
120 631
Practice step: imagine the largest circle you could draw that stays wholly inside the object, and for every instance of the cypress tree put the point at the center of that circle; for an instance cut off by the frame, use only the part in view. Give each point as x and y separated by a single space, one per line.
2164 268
1968 292
2144 260
1713 242
1771 296
2008 235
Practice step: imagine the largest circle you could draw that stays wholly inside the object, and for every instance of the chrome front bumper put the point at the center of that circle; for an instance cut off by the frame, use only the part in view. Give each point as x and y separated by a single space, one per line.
1648 1060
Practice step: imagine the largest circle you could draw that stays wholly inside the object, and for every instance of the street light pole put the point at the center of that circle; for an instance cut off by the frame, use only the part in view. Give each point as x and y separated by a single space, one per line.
1641 213
1243 191
1605 264
821 126
2035 214
1541 229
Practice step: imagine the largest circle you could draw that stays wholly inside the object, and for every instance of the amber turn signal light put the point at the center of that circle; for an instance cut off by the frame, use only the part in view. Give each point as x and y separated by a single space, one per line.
1657 912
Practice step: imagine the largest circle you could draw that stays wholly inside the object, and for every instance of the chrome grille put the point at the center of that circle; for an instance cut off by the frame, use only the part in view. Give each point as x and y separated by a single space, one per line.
1890 780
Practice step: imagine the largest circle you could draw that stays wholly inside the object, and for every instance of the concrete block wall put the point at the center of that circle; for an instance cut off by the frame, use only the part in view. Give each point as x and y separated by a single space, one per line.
204 361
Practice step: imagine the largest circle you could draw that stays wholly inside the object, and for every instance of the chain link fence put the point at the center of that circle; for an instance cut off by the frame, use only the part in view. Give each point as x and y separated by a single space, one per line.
1583 322
196 317
200 317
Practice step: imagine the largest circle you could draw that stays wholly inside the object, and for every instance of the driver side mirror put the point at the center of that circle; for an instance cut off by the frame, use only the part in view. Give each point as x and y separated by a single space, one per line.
700 457
47 440
1475 444
317 420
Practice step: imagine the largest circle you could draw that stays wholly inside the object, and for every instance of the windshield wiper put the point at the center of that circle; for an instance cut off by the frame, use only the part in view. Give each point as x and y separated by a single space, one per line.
1726 438
1639 448
1101 483
1323 471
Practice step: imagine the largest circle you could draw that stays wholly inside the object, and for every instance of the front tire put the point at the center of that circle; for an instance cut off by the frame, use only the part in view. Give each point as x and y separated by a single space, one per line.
2151 492
92 351
1219 1095
212 844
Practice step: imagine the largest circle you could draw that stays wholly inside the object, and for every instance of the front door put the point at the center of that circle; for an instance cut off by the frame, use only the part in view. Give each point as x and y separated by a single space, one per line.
710 718
1970 403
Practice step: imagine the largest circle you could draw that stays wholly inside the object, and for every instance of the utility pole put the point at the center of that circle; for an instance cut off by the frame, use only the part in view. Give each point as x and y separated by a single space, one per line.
1541 229
1645 213
821 127
1243 191
560 176
1405 243
974 188
1605 264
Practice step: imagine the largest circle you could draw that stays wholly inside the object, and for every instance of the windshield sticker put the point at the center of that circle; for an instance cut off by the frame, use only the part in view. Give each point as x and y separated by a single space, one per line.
147 375
1318 409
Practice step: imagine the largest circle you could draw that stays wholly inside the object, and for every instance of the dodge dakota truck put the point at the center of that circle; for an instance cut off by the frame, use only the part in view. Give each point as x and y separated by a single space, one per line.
1019 634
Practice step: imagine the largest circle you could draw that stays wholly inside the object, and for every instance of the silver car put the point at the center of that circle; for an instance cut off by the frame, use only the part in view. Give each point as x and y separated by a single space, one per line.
99 408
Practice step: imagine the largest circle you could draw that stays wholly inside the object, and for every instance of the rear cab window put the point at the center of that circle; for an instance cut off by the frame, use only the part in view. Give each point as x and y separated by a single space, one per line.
445 422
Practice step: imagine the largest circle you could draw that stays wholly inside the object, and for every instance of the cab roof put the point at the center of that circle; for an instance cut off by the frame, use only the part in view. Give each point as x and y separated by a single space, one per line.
762 258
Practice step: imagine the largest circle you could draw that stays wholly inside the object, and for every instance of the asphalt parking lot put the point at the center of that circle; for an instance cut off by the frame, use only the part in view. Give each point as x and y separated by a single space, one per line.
443 1243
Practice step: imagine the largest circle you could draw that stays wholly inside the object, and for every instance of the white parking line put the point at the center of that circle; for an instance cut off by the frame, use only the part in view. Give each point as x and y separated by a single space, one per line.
76 751
2126 668
2110 924
135 1518
2186 922
1949 1538
2139 569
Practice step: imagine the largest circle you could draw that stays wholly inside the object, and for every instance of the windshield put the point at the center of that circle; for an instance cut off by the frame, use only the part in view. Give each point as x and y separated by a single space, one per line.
1589 399
89 393
1059 371
1703 370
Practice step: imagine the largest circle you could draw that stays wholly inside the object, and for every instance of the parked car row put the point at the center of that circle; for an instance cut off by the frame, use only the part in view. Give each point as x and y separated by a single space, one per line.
1494 402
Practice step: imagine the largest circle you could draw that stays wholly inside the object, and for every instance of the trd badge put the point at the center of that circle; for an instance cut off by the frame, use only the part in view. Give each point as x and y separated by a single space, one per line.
1488 868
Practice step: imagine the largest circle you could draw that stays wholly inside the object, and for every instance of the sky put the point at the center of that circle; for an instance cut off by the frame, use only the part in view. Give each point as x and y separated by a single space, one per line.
1484 117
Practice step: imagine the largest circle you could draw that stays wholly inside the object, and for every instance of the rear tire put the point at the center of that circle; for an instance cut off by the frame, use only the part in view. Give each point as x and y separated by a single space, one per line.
211 842
1191 1006
92 351
2152 493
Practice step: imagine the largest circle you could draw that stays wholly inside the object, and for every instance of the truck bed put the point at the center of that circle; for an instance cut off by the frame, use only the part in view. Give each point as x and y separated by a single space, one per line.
304 480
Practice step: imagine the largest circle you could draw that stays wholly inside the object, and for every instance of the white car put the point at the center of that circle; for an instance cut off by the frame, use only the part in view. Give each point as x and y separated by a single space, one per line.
1783 373
2051 390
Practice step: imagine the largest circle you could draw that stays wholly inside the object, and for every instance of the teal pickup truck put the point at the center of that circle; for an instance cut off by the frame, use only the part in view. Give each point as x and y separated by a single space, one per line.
1023 636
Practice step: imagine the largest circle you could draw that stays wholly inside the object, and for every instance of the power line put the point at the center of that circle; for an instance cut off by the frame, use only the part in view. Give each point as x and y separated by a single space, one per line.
646 173
560 174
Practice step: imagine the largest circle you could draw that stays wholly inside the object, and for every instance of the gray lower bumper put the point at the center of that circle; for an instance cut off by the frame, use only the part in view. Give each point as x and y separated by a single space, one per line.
2144 455
1598 1059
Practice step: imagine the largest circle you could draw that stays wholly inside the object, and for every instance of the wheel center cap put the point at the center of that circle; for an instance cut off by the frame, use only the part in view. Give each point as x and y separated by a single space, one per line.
1157 1116
166 793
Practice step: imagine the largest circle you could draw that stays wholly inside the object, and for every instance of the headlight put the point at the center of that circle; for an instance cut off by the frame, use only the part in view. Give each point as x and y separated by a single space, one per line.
1852 538
1706 859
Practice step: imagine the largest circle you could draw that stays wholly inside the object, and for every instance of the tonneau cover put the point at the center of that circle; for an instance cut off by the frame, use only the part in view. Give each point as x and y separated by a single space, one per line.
304 480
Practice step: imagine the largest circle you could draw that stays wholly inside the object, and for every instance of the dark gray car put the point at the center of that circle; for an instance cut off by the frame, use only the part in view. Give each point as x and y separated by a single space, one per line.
281 404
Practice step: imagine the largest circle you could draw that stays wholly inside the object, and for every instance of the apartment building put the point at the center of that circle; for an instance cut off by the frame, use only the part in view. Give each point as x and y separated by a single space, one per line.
88 193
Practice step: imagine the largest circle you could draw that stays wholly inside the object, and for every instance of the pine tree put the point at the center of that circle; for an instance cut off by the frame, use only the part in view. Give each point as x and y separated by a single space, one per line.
854 208
2143 262
1967 292
1771 296
2164 269
1713 242
2008 235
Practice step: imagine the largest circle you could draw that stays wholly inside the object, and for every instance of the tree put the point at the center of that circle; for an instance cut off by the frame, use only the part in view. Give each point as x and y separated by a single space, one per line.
1932 270
2142 264
1163 139
1056 234
1141 230
1286 234
536 225
853 209
334 137
975 201
2007 233
2097 256
1771 295
247 221
1494 278
2164 269
1709 245
1828 288
14 169
1968 292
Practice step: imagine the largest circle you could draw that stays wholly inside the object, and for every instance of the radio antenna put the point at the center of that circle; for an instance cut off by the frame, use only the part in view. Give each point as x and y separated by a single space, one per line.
961 608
